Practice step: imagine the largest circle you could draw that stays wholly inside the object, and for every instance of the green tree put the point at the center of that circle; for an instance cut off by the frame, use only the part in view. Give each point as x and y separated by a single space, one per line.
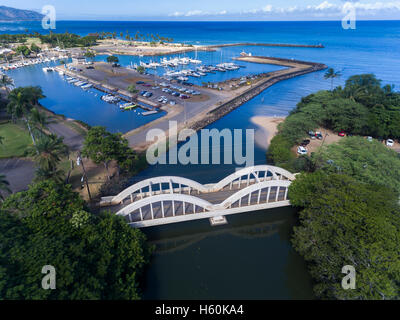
47 154
6 82
102 147
141 69
112 59
39 120
24 50
331 74
35 48
348 222
90 54
369 162
4 186
19 106
49 224
132 89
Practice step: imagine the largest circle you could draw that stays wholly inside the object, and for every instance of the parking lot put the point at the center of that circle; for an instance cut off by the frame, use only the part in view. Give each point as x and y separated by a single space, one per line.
170 92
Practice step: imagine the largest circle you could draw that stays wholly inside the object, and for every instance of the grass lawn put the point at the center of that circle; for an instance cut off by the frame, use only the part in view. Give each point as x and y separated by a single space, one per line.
16 139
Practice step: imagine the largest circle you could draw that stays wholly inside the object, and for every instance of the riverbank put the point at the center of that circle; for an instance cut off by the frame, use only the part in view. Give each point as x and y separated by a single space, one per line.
268 128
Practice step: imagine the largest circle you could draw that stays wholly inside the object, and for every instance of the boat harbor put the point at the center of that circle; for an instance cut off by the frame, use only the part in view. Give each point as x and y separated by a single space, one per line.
124 101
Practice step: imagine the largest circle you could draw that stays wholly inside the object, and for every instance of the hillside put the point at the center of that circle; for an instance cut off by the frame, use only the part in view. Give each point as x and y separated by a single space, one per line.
12 14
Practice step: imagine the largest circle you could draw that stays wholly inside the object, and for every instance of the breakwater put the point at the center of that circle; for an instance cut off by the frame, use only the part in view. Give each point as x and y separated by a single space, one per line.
289 45
269 80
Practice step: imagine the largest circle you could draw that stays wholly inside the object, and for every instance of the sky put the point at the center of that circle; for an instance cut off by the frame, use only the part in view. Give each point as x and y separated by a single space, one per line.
214 10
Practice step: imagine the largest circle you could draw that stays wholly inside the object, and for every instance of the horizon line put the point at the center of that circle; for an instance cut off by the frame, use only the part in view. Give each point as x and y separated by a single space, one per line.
240 21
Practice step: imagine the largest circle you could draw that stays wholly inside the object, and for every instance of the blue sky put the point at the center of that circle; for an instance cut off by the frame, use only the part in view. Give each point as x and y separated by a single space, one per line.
213 9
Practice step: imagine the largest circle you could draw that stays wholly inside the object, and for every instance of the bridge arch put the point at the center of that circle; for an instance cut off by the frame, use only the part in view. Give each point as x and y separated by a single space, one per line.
177 204
146 188
260 174
262 189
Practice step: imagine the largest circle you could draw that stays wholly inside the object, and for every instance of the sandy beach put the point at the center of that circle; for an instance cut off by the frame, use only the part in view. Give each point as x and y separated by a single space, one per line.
268 128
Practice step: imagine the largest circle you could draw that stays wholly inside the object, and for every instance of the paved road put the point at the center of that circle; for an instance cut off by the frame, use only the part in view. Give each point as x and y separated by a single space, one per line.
72 139
19 173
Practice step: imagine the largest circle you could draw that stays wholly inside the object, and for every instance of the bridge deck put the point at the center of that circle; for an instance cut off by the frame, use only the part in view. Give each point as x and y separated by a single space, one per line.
215 198
170 199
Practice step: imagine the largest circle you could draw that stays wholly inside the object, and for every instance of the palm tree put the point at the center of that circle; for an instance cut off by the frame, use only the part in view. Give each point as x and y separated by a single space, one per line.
6 82
4 186
56 175
48 152
331 74
34 94
19 106
39 120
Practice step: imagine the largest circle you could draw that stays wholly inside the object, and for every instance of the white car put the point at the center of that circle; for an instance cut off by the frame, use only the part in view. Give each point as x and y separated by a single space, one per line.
301 150
370 139
389 142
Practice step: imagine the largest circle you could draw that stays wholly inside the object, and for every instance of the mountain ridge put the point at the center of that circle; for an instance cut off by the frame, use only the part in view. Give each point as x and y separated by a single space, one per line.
13 14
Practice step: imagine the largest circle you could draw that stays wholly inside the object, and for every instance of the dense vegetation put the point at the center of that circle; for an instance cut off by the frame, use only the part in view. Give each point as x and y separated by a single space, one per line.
348 192
348 222
362 107
13 38
68 40
95 256
102 147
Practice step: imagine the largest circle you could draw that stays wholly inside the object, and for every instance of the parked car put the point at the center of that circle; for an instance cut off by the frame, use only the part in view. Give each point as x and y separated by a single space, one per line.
139 82
319 135
305 142
342 134
389 142
369 139
142 93
301 150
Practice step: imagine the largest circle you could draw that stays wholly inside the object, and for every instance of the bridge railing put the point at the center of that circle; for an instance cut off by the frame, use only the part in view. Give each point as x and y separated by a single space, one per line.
173 184
175 207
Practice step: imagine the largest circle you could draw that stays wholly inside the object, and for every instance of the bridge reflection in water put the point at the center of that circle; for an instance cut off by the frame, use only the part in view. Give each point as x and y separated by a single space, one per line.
169 199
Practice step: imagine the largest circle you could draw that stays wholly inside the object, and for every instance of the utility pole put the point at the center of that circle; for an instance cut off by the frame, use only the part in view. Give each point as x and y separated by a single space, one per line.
184 108
78 162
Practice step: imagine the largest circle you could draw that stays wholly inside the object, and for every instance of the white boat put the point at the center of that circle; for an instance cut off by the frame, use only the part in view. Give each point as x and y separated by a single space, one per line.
87 86
47 69
147 113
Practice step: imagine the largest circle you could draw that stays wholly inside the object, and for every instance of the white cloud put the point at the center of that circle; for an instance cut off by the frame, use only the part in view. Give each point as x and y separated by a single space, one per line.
325 5
194 13
176 14
267 8
321 10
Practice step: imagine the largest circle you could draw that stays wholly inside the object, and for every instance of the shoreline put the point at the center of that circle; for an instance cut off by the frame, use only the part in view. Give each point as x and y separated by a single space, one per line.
222 103
143 49
268 128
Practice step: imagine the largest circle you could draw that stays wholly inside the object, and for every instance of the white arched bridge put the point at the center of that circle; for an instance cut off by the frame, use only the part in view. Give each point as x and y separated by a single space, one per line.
170 199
